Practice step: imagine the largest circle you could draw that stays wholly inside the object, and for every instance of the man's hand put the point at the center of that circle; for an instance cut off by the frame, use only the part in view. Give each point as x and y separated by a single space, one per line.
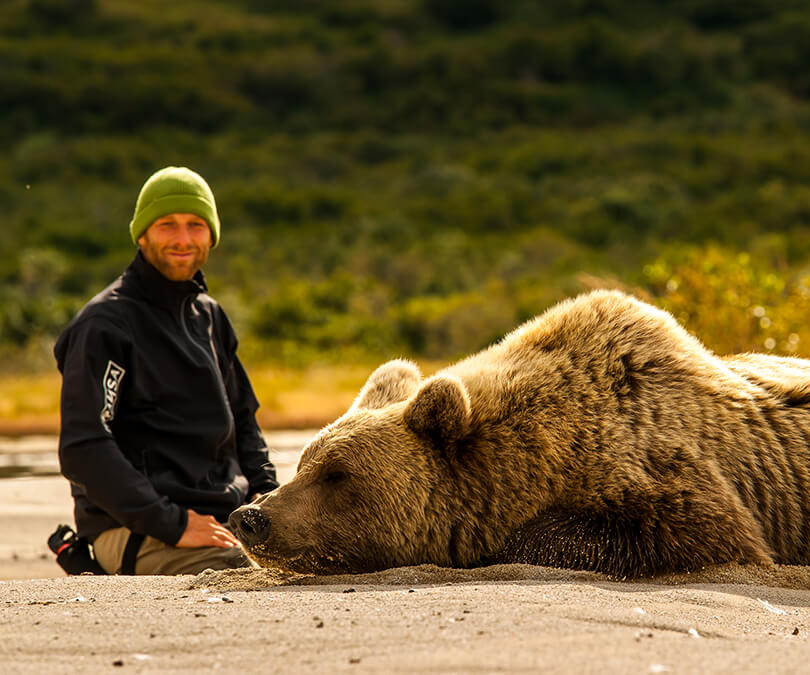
205 531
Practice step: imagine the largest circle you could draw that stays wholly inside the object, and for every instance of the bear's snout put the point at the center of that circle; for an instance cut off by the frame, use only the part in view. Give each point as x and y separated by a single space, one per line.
250 525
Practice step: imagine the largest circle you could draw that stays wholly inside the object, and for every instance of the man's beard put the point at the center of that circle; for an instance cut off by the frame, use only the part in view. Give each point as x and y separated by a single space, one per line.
175 270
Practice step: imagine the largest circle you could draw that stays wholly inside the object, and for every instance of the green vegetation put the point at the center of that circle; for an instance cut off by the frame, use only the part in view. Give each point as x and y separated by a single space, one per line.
415 177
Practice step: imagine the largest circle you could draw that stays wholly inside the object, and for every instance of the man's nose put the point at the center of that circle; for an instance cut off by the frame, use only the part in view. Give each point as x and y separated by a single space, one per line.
182 235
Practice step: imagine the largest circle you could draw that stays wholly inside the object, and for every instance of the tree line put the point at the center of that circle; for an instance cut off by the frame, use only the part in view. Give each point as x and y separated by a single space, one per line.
413 177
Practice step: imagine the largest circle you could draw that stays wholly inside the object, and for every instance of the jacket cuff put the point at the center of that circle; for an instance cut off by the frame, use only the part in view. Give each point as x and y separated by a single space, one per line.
170 529
262 485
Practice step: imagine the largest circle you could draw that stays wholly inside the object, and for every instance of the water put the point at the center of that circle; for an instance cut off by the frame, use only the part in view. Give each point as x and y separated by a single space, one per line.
28 456
37 455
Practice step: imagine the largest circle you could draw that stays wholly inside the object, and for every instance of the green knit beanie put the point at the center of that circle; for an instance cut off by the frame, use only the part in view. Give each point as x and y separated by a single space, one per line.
174 189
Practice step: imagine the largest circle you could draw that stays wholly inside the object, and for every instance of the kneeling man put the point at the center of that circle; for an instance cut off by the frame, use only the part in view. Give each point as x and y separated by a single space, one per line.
158 430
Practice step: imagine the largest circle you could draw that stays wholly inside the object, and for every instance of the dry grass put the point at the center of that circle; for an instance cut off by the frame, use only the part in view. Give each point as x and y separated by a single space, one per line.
29 403
290 398
310 397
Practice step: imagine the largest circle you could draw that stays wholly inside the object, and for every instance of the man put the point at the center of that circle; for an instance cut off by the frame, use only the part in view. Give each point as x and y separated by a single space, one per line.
159 437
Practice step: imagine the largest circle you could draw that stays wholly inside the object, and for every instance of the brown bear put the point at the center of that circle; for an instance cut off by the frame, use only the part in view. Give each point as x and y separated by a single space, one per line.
599 435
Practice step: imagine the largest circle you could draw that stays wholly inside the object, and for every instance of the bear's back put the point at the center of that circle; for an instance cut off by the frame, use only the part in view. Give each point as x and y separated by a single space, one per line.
617 387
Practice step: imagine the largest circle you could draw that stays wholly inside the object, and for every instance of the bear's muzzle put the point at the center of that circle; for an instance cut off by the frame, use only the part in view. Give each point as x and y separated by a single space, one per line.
250 525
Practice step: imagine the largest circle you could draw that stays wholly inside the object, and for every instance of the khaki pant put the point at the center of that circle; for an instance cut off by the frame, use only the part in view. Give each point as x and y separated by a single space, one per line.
155 557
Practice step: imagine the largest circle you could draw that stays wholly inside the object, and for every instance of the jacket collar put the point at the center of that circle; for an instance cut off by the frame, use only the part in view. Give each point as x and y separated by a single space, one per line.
158 289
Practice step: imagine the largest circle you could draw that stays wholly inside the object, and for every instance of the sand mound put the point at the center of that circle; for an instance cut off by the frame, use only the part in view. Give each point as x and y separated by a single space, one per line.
421 575
781 576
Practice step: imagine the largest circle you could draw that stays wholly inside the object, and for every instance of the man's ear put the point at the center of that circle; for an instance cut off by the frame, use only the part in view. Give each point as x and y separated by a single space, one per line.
440 411
392 382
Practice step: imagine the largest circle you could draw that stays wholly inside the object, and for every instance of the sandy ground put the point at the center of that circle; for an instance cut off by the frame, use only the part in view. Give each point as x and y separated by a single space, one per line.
510 618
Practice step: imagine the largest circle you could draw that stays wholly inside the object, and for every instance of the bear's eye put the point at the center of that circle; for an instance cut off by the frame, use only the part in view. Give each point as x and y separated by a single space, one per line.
335 476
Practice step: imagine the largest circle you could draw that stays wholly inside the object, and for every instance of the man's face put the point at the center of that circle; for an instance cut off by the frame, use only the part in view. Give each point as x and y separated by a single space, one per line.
177 244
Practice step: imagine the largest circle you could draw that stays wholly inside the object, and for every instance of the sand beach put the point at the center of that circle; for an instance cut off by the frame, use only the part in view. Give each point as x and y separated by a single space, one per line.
506 618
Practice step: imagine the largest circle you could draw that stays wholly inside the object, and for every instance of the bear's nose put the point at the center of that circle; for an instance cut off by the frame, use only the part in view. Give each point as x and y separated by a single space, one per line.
250 525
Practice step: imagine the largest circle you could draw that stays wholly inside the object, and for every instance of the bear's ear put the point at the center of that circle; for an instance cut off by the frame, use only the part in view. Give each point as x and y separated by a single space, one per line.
392 382
440 410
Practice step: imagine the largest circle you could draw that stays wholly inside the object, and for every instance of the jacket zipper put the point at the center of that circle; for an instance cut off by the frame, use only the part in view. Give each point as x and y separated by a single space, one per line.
211 362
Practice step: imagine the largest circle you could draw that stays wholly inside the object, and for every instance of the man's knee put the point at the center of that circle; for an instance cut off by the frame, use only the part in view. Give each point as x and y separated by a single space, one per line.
108 549
156 557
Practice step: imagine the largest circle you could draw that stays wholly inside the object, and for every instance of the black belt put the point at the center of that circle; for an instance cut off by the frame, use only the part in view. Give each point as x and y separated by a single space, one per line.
131 553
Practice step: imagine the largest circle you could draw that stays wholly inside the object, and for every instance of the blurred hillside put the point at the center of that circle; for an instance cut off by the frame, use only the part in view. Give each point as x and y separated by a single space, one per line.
415 176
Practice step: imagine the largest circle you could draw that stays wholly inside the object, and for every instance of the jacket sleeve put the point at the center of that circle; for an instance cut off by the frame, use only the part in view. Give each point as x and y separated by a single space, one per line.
250 445
95 363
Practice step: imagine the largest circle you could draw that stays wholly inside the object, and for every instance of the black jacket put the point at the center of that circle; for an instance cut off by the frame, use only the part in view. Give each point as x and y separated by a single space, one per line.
158 415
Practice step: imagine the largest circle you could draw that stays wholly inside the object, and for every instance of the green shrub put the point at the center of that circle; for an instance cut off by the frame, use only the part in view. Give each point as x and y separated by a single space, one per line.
64 12
463 14
779 51
735 302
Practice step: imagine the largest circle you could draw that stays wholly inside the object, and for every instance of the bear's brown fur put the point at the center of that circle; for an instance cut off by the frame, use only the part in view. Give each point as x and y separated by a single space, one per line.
600 436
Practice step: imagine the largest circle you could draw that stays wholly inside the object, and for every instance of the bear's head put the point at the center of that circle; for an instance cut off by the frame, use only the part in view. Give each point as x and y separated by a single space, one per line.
366 492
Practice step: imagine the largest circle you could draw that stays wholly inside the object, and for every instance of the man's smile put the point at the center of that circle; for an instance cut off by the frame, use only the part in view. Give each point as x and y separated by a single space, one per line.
182 255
